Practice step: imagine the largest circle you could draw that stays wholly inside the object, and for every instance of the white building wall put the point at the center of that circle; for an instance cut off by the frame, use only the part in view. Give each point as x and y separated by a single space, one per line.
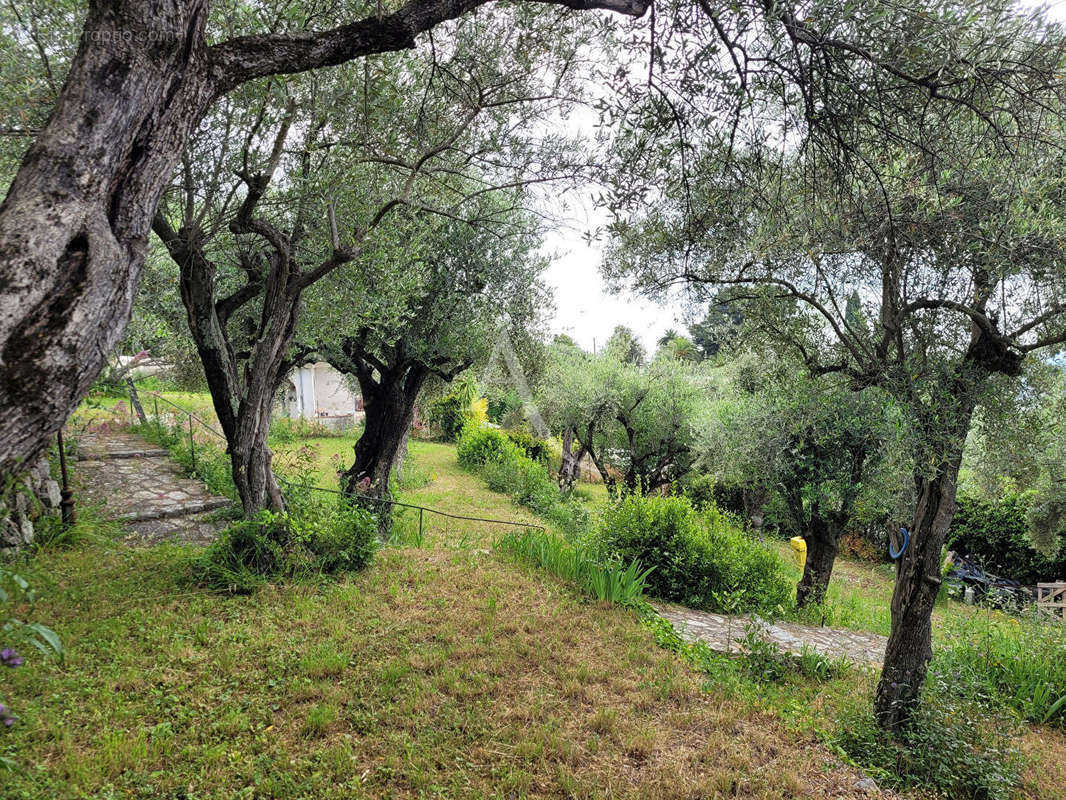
332 395
317 390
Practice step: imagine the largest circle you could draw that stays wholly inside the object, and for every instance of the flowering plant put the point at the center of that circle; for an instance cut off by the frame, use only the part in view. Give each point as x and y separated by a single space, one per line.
15 590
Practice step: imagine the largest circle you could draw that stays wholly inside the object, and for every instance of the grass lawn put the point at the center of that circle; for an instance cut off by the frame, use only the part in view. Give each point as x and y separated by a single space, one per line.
435 673
859 593
440 671
447 487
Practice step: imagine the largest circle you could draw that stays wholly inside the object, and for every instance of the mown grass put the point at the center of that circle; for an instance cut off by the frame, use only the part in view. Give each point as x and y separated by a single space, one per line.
450 489
444 671
432 674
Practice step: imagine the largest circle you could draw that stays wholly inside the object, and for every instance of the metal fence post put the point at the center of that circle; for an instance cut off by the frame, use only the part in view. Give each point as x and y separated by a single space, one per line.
192 444
66 497
420 509
158 426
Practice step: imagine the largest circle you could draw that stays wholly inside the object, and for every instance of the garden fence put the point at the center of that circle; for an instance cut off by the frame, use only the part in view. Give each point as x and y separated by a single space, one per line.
1051 598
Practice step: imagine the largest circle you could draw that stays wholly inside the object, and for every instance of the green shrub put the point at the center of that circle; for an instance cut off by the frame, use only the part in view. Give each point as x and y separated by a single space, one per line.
953 746
528 483
316 536
996 534
503 404
479 444
700 560
449 414
704 491
507 469
534 448
568 515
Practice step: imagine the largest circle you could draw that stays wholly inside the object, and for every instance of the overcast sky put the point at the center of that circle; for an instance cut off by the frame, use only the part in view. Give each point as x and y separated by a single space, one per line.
585 310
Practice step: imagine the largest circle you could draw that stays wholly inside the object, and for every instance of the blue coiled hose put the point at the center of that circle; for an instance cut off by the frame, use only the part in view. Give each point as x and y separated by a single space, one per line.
893 554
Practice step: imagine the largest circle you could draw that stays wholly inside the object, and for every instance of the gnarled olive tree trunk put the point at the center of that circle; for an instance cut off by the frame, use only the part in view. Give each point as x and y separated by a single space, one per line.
755 499
250 461
823 540
910 645
242 386
945 424
389 404
570 465
826 526
74 224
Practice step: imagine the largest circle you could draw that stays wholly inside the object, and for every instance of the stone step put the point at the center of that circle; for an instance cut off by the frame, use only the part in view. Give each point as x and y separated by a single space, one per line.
103 456
176 510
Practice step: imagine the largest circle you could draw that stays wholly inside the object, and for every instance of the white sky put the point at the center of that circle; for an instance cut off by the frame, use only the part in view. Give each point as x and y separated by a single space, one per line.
585 310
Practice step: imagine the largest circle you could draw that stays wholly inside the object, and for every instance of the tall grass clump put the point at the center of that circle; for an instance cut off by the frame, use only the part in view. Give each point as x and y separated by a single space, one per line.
699 558
1018 662
608 582
91 527
286 430
318 535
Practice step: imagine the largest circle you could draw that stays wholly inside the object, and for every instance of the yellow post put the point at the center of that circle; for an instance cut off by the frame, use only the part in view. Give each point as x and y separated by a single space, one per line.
799 550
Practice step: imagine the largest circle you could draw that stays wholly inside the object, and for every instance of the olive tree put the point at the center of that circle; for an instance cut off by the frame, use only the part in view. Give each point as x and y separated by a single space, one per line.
1019 445
432 308
928 193
823 451
307 191
131 88
637 424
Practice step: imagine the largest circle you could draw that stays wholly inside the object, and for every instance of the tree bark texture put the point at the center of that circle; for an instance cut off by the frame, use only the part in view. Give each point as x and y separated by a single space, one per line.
910 644
389 404
242 397
570 465
756 499
250 460
822 520
75 222
823 540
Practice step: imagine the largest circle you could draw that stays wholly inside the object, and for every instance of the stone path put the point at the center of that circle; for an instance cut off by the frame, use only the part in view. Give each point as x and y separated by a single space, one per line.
721 633
137 483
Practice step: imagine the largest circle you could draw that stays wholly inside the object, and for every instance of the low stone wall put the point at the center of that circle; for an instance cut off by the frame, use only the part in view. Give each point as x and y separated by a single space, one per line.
32 496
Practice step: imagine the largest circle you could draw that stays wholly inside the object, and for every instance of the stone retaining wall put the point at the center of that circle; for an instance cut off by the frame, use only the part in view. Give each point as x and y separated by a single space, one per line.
32 496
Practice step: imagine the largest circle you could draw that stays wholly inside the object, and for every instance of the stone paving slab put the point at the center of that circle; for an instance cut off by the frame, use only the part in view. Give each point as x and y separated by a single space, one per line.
721 632
138 486
154 453
191 529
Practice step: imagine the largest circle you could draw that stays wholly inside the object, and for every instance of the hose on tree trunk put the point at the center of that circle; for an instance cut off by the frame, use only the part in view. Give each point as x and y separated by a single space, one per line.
894 554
